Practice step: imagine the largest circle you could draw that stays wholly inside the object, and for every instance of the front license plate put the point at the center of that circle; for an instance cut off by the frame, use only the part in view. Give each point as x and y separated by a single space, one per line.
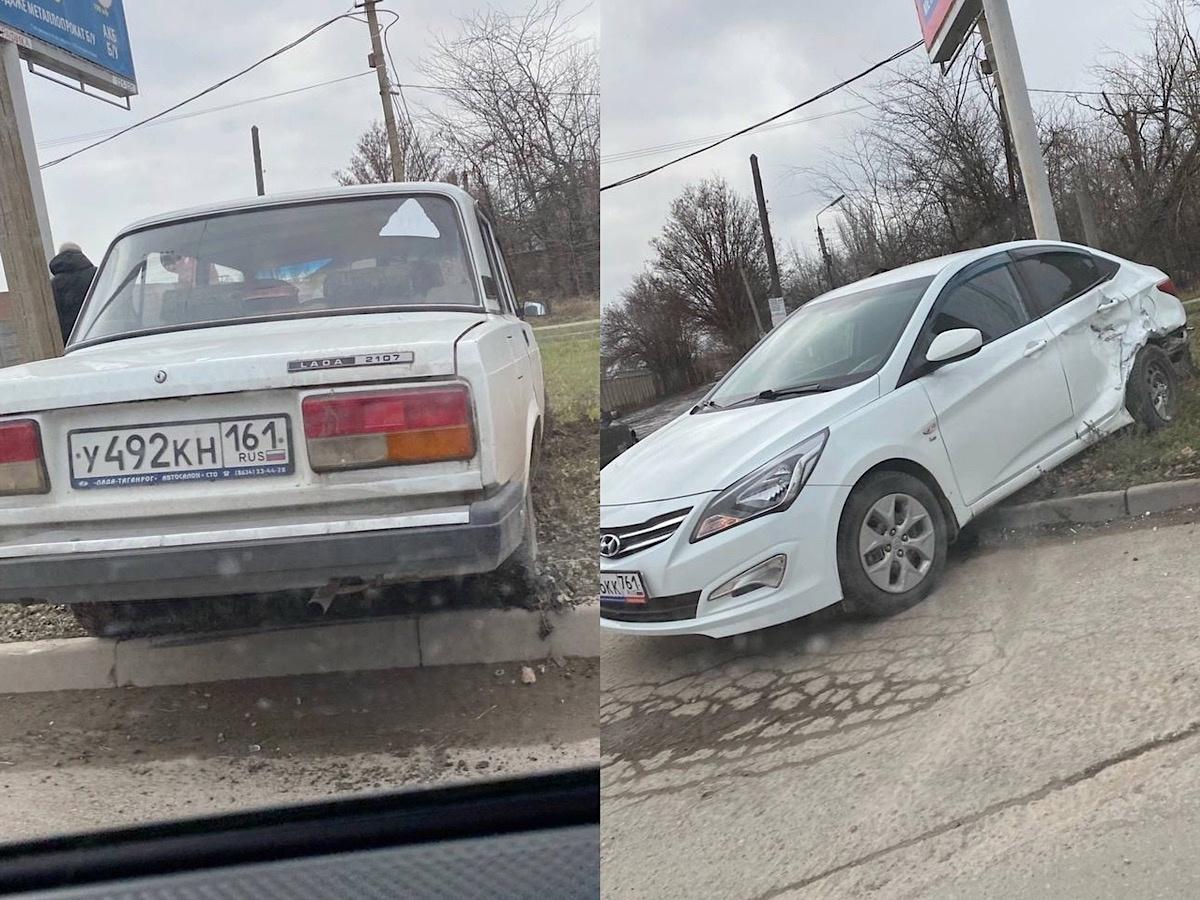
210 450
622 587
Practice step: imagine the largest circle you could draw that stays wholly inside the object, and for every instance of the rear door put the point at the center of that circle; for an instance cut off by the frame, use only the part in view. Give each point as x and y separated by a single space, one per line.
1003 410
1074 293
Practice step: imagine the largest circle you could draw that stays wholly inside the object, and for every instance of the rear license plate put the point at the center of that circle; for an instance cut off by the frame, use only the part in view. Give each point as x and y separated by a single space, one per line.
622 587
210 450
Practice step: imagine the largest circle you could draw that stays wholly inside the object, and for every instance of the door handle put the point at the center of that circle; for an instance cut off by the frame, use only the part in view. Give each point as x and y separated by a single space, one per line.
1034 348
1107 305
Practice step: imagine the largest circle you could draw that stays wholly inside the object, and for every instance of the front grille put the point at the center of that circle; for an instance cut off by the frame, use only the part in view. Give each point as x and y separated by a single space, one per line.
655 609
626 539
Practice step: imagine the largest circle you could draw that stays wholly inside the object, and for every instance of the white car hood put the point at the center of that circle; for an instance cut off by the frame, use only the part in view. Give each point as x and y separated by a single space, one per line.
250 356
708 451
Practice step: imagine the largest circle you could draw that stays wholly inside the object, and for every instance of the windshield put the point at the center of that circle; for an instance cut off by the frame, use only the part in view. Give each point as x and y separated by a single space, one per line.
367 253
828 343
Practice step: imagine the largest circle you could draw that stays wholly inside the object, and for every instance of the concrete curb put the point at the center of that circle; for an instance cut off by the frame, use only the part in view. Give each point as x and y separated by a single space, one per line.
435 639
1104 506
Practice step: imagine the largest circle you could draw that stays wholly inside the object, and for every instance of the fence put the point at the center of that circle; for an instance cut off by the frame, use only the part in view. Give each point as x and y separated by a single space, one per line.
10 336
626 392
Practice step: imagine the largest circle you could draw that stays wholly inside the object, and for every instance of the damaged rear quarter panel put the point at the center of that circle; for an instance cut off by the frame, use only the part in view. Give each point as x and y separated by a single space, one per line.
1100 335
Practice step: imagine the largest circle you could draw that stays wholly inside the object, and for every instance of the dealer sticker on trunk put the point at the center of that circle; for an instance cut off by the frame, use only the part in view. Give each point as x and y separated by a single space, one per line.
209 450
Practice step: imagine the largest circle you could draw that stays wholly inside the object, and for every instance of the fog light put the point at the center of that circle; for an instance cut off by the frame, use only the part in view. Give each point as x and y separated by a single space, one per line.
767 574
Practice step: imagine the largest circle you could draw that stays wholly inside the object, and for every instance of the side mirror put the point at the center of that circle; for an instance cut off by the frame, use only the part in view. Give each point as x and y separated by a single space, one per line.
606 417
957 343
533 310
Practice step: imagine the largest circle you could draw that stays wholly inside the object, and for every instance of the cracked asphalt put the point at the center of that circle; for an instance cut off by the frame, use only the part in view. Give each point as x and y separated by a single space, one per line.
1033 729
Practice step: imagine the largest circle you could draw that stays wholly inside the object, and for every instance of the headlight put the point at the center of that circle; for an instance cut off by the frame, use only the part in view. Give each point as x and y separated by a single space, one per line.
768 489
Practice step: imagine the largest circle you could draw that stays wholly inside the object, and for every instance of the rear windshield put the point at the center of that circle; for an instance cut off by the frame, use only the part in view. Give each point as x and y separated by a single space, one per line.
370 253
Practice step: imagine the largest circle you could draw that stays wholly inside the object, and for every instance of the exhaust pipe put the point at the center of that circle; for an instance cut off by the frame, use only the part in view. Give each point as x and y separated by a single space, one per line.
322 598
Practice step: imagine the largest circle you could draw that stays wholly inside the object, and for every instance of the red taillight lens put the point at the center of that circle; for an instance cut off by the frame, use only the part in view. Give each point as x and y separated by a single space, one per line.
1168 287
22 469
353 431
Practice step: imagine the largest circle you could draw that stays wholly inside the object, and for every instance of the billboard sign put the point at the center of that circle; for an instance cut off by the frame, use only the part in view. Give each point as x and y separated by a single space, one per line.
83 39
945 25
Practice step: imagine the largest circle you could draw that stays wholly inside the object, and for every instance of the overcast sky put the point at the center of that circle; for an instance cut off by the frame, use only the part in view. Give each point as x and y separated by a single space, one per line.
679 69
185 45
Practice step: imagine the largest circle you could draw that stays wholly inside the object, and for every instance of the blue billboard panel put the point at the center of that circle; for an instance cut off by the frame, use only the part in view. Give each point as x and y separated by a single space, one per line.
92 30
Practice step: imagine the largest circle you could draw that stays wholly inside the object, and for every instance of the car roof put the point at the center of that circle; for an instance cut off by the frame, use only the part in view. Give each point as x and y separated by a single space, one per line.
931 268
450 191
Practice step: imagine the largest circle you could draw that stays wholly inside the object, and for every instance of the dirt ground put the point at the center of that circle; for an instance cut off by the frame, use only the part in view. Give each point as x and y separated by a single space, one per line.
77 760
566 499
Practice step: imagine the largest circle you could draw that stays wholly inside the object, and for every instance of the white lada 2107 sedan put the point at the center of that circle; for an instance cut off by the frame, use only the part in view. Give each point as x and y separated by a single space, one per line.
283 393
840 456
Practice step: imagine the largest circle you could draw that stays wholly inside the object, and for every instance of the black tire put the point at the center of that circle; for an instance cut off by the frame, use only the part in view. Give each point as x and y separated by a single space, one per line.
516 579
861 596
1152 392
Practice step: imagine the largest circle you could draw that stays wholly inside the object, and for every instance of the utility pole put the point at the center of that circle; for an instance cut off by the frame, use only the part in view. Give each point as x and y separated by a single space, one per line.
989 69
379 63
772 265
258 172
1015 94
750 299
825 255
1087 209
23 239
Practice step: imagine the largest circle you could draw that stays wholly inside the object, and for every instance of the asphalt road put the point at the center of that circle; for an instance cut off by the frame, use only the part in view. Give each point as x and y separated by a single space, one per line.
1032 730
81 760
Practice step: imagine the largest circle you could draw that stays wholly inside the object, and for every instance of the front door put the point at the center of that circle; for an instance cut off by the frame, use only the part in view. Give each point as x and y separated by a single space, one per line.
1005 409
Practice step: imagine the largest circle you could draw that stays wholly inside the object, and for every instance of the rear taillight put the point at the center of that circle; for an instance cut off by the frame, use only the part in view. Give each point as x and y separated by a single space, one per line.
1168 287
22 466
374 428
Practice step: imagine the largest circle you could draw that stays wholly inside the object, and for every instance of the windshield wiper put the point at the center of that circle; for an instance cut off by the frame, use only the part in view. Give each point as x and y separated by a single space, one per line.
815 387
125 282
706 404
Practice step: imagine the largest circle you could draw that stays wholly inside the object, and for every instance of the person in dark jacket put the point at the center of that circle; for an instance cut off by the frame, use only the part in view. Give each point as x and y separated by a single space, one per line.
72 275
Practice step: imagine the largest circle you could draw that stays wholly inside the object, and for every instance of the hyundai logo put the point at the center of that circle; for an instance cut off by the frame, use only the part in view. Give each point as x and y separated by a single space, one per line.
610 545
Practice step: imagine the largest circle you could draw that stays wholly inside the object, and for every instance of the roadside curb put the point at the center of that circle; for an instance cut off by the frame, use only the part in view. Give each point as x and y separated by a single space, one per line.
1103 506
438 639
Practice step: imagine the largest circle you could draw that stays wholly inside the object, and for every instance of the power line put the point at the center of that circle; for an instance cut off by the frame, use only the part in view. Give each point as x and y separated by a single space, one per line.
825 93
207 90
76 138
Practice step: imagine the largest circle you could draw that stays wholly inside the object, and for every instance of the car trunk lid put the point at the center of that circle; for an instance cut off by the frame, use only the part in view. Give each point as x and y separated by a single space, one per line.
260 356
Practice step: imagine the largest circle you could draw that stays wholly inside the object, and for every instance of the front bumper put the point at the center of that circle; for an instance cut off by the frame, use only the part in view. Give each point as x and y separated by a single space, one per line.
482 535
680 576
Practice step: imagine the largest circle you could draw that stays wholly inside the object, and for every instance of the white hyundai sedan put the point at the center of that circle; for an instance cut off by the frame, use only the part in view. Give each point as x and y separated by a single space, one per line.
323 391
843 454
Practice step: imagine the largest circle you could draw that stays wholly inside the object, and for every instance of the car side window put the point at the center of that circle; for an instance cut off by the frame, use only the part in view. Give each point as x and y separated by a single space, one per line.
496 285
1054 278
988 300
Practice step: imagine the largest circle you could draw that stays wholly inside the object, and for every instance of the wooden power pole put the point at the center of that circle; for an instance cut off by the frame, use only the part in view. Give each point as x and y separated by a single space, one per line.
379 64
21 244
258 172
772 265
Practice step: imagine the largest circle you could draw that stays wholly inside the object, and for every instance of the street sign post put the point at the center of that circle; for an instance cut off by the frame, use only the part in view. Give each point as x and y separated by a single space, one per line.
85 40
946 25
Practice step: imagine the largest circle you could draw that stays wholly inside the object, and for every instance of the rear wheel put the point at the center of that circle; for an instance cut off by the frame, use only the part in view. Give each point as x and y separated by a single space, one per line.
891 546
1152 393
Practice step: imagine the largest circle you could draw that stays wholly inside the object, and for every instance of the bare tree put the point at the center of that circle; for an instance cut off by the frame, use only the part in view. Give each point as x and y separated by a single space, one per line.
650 328
371 162
712 235
523 119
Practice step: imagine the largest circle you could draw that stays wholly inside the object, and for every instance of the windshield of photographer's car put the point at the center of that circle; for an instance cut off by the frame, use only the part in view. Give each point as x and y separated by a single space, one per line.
371 253
827 344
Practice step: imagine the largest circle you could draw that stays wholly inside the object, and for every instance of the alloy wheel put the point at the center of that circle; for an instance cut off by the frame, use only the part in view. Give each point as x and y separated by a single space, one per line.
896 543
